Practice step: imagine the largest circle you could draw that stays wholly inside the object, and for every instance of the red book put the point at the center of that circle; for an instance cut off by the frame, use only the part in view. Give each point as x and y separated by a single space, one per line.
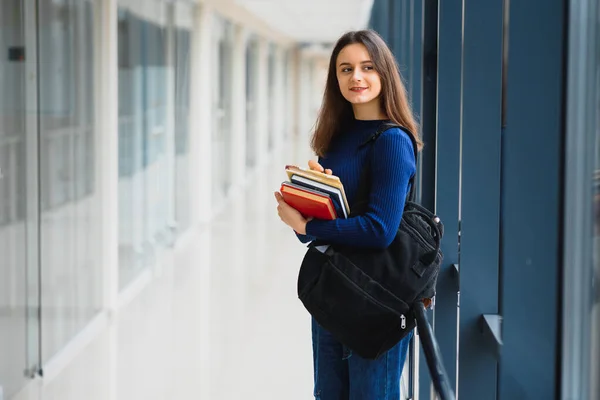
308 202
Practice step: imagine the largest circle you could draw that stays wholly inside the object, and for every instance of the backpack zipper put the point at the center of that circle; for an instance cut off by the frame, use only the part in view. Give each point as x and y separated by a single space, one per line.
402 321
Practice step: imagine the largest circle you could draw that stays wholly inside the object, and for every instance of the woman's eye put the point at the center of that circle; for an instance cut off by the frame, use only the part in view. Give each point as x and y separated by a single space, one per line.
365 68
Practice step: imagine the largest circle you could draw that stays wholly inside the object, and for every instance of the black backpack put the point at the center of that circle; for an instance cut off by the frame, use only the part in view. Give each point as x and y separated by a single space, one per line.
365 297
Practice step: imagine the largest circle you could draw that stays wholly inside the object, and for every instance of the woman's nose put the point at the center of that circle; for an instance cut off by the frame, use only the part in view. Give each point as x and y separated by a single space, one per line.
357 75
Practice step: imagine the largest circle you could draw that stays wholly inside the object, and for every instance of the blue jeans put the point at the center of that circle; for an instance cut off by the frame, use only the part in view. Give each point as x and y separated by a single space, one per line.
341 375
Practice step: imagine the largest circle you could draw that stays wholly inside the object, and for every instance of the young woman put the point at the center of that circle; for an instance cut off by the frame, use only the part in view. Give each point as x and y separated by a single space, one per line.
363 90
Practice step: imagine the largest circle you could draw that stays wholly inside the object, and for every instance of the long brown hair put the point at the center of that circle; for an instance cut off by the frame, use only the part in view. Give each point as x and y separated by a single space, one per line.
336 110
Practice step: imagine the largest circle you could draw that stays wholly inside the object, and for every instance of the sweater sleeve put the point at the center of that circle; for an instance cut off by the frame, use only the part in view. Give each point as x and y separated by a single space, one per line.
392 165
304 238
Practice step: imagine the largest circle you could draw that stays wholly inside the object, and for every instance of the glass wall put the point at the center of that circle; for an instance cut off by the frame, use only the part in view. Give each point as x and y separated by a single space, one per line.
50 227
182 67
154 111
13 240
143 174
131 147
70 271
155 133
49 222
221 127
251 100
272 75
288 92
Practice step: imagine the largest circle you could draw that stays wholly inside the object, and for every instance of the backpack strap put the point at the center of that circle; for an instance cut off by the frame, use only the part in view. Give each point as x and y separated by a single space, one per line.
364 186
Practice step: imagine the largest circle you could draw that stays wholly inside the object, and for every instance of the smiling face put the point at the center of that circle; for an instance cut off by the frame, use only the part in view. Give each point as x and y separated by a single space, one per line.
359 82
363 83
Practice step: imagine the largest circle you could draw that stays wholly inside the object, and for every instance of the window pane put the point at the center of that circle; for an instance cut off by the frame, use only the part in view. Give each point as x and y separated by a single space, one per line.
131 142
271 65
71 274
221 138
182 114
157 173
251 99
144 173
13 250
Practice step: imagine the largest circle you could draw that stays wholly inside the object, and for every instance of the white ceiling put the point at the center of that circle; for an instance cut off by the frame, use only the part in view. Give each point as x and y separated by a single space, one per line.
311 20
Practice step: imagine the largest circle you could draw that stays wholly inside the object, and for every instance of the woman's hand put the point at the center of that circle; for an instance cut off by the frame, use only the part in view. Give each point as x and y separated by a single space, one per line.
315 166
290 216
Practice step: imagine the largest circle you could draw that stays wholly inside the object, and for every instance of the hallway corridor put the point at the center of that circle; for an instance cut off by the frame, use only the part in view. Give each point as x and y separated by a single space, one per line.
220 321
142 141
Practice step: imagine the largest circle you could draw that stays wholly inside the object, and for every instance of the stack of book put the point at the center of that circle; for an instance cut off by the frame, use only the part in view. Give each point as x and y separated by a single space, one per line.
315 194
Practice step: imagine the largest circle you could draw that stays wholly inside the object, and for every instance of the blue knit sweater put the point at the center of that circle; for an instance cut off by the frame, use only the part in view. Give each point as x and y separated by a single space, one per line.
393 163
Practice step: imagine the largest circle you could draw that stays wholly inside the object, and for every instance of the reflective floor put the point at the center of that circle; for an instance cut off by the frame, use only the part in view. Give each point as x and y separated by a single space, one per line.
220 318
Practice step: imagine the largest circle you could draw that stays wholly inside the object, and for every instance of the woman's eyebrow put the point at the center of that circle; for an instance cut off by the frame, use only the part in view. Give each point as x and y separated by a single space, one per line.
362 62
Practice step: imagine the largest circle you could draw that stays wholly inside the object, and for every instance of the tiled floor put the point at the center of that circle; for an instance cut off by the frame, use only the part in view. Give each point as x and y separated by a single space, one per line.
220 320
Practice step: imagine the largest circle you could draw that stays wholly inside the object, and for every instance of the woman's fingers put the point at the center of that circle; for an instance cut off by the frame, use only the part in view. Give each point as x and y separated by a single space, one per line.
315 166
281 204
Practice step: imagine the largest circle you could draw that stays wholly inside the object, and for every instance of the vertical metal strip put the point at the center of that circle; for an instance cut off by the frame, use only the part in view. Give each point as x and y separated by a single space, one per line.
447 177
428 105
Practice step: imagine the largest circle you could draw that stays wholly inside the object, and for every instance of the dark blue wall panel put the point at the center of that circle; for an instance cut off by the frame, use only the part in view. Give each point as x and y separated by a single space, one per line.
531 209
380 20
429 103
447 176
480 194
394 16
404 57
